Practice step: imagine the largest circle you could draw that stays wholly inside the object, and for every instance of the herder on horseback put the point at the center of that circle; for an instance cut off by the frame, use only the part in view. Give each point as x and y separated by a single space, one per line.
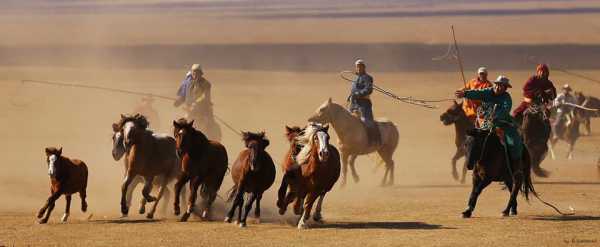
360 101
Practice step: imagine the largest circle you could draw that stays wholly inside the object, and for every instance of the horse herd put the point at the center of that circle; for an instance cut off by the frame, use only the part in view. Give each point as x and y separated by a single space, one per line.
312 167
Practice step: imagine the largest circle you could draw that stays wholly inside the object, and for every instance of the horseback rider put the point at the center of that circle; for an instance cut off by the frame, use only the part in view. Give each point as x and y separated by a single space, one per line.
360 101
497 101
470 107
194 89
564 112
538 87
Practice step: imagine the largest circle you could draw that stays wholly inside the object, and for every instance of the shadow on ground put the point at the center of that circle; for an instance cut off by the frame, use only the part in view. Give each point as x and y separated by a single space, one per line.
566 218
382 225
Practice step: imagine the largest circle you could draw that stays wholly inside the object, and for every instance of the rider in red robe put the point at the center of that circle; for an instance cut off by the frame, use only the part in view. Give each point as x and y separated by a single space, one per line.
536 86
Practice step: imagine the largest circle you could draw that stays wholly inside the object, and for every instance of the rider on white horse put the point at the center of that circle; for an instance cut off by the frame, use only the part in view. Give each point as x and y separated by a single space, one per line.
360 101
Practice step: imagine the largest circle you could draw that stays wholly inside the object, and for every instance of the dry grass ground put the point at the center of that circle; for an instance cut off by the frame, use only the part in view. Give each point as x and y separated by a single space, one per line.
423 209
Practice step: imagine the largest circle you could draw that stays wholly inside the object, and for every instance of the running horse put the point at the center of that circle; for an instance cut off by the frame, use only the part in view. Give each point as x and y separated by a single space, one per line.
569 132
353 139
203 162
253 172
67 176
536 131
148 155
487 155
586 115
118 152
318 172
456 115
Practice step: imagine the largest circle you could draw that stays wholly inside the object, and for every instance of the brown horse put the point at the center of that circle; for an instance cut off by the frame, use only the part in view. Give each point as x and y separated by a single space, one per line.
586 115
203 162
485 150
253 172
568 133
456 115
148 155
536 131
67 176
318 172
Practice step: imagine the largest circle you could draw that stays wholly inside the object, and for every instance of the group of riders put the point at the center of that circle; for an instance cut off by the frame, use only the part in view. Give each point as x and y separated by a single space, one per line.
487 104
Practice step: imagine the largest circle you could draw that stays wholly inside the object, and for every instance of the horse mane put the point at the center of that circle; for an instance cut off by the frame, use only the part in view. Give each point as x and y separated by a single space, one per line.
260 137
307 141
138 119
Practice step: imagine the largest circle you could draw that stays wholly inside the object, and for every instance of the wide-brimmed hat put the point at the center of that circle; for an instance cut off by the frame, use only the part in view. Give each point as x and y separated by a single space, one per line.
503 80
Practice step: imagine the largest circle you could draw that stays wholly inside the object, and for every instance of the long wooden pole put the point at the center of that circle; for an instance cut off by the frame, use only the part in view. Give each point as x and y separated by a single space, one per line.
460 64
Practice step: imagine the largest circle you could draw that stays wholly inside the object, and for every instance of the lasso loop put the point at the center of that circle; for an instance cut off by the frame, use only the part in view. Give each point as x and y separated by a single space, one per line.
408 100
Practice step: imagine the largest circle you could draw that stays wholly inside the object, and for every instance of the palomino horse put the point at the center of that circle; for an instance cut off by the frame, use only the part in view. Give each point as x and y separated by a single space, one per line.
67 176
252 172
536 132
202 115
353 139
456 115
203 162
568 133
319 170
148 155
487 153
118 152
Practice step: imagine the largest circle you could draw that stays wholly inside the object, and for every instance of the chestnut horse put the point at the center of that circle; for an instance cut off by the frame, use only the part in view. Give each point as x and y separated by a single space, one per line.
456 115
203 162
148 155
253 172
318 172
67 176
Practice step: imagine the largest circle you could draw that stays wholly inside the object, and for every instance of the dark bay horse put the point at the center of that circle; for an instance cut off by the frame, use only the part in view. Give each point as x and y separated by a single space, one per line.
67 176
585 116
203 162
487 153
253 172
456 115
318 172
536 131
148 155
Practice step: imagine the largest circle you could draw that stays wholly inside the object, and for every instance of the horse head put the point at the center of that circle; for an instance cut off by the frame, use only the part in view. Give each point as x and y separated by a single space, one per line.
118 149
323 113
53 160
452 114
131 127
256 143
314 139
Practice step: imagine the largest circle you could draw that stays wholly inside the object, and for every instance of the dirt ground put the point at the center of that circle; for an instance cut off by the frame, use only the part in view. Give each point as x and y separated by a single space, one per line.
422 209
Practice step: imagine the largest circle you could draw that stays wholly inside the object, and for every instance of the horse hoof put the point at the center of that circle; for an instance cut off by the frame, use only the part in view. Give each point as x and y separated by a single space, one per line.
125 211
318 219
505 214
205 214
177 211
281 211
302 226
466 214
84 206
227 220
40 215
64 218
43 221
185 217
150 216
243 224
142 210
513 212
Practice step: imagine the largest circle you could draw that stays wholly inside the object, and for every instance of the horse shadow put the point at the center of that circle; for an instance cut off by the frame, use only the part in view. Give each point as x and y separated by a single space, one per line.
382 225
566 218
125 221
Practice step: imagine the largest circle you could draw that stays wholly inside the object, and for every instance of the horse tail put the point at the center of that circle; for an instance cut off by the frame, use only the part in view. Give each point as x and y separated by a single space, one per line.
527 186
231 193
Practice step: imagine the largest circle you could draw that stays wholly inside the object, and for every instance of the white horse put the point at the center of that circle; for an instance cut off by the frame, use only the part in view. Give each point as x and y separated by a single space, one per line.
353 139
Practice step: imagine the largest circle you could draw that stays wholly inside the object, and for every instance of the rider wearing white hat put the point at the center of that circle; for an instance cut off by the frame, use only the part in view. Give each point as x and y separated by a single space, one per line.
360 101
564 111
